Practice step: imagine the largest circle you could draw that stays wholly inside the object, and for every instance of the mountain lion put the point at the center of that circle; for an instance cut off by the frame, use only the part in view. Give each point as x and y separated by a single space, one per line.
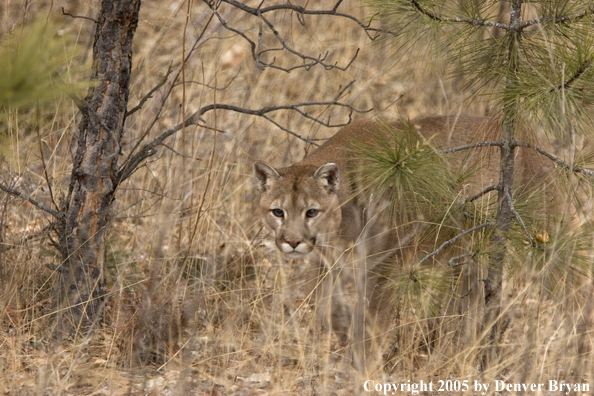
316 207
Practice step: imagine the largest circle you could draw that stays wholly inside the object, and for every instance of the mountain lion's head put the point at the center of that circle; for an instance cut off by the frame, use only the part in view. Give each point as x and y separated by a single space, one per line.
299 205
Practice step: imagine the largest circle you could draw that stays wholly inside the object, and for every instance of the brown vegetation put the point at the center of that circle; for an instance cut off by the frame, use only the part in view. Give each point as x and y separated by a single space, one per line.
199 300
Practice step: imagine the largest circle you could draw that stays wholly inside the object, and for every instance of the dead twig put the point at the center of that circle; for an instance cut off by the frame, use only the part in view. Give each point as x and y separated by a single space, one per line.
307 61
149 149
485 191
166 90
454 239
301 11
29 199
77 16
149 94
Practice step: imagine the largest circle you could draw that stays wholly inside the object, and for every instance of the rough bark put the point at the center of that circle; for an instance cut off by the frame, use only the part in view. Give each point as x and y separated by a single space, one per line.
86 212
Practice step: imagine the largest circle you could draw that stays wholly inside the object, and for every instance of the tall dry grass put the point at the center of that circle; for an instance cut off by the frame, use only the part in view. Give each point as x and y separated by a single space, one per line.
200 301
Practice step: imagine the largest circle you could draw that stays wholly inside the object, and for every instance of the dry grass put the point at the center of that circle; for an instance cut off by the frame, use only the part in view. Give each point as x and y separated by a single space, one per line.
200 302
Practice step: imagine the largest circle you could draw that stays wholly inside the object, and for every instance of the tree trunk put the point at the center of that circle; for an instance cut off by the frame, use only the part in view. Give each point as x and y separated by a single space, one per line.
87 209
494 280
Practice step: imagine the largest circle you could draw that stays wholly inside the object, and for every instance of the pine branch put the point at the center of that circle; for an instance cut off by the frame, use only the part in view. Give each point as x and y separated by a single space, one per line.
29 199
556 19
423 11
454 239
556 160
471 146
469 21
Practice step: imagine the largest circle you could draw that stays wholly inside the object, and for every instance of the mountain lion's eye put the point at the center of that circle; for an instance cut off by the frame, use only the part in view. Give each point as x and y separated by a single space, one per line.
312 213
278 212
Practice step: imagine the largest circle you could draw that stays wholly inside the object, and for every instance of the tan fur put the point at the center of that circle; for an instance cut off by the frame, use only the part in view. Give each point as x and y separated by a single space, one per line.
296 190
324 182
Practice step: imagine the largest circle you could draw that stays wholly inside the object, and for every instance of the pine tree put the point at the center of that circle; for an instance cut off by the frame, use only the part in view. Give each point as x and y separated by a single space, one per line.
533 63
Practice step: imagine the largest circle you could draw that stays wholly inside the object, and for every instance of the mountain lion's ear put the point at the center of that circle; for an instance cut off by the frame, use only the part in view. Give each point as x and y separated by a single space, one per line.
329 174
265 174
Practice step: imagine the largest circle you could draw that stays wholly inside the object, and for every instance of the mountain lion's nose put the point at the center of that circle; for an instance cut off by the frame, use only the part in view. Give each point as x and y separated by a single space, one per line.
293 242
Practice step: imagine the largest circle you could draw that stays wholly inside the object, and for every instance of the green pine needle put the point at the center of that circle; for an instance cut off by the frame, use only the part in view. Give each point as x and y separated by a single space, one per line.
405 171
33 60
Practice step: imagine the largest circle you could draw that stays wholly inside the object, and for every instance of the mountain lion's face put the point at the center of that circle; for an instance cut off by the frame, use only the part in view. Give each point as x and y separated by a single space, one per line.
299 205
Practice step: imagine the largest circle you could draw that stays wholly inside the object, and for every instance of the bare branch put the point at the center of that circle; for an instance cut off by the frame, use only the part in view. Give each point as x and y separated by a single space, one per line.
223 88
175 151
465 294
150 148
581 70
469 21
471 146
454 239
77 16
477 196
256 50
455 261
53 242
485 191
29 199
308 61
337 4
210 128
159 102
517 215
303 11
149 94
559 162
556 19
